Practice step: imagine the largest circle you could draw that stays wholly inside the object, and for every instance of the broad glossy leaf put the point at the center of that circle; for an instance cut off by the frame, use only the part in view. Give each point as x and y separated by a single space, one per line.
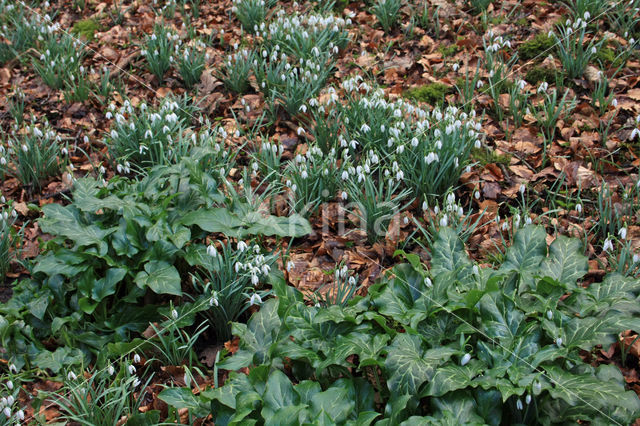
526 253
565 263
452 377
292 226
216 220
459 405
85 197
278 394
59 220
106 286
60 358
409 365
160 277
368 347
180 398
334 402
449 255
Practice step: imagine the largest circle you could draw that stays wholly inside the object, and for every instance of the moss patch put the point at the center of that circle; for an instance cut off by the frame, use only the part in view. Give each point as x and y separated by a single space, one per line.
536 47
432 93
489 156
538 74
448 51
86 28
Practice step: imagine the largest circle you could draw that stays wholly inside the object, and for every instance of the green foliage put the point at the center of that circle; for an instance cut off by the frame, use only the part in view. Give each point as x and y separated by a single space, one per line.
573 50
470 345
34 156
387 12
59 61
86 28
160 48
432 93
479 6
448 51
191 65
537 48
236 69
118 245
251 13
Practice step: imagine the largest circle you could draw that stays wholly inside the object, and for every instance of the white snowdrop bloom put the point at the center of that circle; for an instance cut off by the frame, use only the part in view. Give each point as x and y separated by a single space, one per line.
427 282
242 246
136 358
174 314
344 195
623 233
414 142
20 415
634 134
255 299
114 134
479 84
301 131
559 341
594 50
528 221
25 148
132 369
7 411
519 404
13 369
614 102
444 221
521 189
475 270
10 385
636 258
549 315
304 174
607 246
527 399
111 370
465 359
544 86
579 208
71 375
365 128
345 175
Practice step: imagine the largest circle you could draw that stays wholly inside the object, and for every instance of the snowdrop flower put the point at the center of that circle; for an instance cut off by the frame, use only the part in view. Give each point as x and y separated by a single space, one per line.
480 84
544 86
345 175
255 299
300 131
519 404
344 195
7 411
634 134
549 315
174 314
465 359
521 189
427 282
559 341
71 375
136 358
132 369
623 233
211 250
13 369
25 148
579 208
443 221
111 370
537 387
636 258
607 246
242 246
475 270
10 385
20 415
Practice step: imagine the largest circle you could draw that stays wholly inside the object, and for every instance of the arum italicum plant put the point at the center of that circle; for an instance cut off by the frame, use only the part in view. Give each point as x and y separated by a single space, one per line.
34 155
573 50
228 282
160 48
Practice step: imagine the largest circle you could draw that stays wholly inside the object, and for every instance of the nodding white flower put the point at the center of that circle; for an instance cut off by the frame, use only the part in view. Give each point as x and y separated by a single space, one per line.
290 266
242 246
522 188
114 134
71 375
414 142
614 102
586 15
475 270
300 131
455 67
444 221
623 233
25 148
636 258
425 206
7 411
255 299
211 250
519 404
13 369
20 415
465 359
111 370
10 385
365 128
527 399
132 369
594 50
579 208
3 161
634 134
345 175
136 358
344 195
479 84
214 299
427 282
303 108
136 382
549 315
254 279
544 86
559 341
174 314
608 245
